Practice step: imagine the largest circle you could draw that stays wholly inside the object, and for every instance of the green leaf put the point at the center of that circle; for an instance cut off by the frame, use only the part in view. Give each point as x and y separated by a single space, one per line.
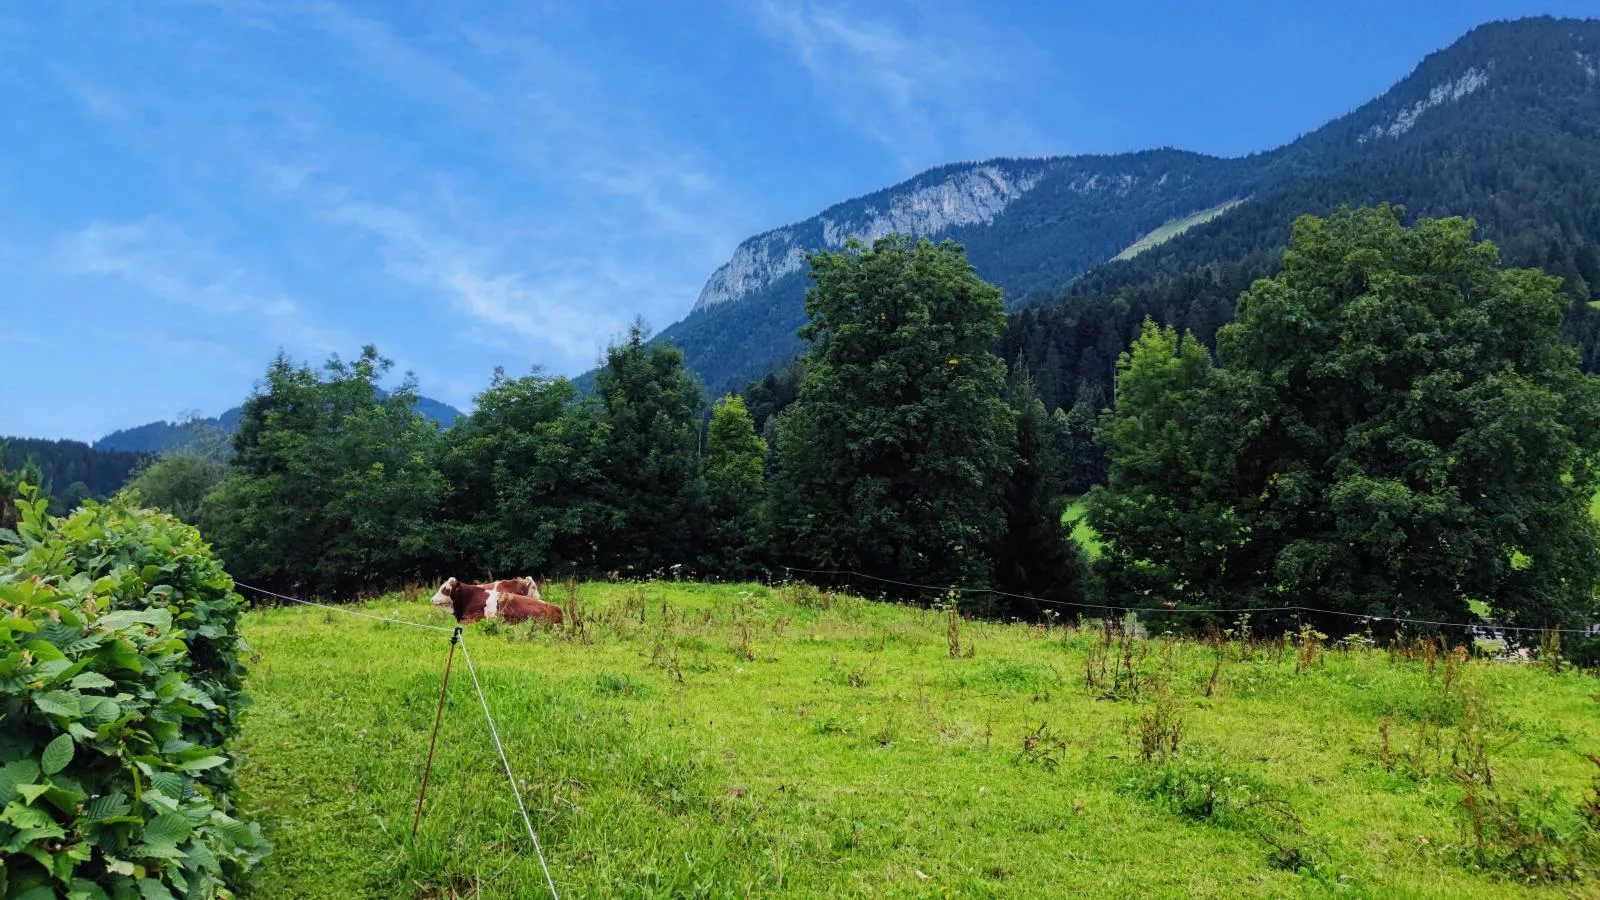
103 711
64 797
58 703
51 671
64 864
148 850
23 771
31 825
44 651
25 816
151 889
122 655
92 681
160 619
107 806
16 623
241 833
43 892
169 783
83 644
83 889
32 792
168 828
203 763
57 755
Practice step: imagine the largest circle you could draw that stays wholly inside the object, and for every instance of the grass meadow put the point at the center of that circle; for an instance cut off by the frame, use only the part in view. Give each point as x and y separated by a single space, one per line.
696 740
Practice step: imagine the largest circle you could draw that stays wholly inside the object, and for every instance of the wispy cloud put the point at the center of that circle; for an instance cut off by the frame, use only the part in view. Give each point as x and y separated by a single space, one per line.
551 310
639 212
926 84
162 261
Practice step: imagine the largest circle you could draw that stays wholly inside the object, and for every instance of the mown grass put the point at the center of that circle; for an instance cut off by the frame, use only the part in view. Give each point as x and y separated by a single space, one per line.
726 741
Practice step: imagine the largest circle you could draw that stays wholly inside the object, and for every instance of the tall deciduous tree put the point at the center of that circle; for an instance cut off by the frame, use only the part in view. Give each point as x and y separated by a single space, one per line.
735 463
652 405
178 483
332 488
1397 426
527 496
894 458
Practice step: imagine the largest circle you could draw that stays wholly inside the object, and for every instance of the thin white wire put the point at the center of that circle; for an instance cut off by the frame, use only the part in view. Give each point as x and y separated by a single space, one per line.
1192 609
353 612
495 733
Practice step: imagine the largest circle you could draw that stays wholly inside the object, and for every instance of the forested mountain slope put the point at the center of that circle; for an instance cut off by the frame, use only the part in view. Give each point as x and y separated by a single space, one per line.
1500 126
1029 225
68 471
1508 134
159 437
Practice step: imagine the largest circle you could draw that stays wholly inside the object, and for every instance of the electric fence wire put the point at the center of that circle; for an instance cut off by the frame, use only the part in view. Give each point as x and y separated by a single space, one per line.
494 731
1165 610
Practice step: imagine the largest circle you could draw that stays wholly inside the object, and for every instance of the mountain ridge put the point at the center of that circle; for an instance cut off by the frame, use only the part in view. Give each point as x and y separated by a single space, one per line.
1033 225
163 435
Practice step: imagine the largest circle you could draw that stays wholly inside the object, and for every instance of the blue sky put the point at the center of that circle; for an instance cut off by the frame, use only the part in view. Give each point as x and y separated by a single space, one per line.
188 187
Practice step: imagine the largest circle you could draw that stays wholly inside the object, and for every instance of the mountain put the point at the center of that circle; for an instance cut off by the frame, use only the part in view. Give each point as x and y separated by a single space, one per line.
69 471
1501 126
1029 226
159 437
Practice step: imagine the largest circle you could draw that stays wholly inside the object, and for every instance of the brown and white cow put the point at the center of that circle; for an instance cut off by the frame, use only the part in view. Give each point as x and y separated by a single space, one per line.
474 602
524 586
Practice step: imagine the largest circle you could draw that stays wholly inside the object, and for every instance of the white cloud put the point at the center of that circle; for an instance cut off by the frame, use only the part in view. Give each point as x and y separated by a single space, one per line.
928 86
557 312
637 211
162 261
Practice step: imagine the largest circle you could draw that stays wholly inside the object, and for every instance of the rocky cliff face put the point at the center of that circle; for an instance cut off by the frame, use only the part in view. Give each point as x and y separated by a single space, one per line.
966 195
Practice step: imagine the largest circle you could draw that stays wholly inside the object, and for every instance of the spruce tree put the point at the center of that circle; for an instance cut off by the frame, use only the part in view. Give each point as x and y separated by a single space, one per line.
651 463
1036 556
735 463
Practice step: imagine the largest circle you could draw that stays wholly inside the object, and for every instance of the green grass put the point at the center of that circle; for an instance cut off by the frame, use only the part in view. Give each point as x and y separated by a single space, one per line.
759 743
1174 228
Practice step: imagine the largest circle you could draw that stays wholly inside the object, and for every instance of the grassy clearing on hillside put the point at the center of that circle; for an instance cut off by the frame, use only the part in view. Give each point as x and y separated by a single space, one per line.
725 741
1172 229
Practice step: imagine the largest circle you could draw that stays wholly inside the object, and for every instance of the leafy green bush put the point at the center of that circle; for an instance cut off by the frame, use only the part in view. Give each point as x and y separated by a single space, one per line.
119 686
155 561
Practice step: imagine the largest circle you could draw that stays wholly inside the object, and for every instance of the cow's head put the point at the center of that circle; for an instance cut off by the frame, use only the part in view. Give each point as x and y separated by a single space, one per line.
446 595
